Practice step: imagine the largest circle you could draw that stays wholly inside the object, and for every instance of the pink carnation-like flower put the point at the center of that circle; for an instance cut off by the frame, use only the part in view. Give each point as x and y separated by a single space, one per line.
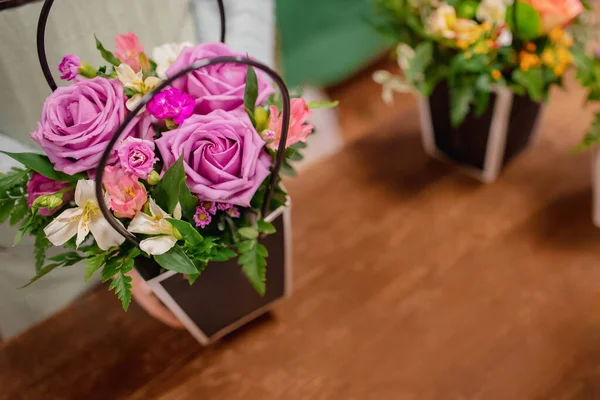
39 185
137 156
299 129
129 49
69 67
127 195
202 217
233 212
172 103
209 206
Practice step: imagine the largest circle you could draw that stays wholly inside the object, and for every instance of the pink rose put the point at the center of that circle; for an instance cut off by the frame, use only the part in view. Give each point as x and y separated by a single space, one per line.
79 120
224 158
556 13
299 129
127 195
39 185
129 50
219 86
69 67
137 156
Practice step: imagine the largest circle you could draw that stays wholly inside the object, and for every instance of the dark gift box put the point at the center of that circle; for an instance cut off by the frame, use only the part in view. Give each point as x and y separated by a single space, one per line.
482 145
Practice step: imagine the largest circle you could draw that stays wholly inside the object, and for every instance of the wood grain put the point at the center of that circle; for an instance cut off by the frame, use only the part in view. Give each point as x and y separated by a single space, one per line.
412 282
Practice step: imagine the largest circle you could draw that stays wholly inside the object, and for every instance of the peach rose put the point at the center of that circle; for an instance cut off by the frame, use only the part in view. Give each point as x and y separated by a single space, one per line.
556 12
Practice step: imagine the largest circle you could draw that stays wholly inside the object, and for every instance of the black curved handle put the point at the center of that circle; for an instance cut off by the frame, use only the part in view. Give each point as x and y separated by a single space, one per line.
285 96
41 38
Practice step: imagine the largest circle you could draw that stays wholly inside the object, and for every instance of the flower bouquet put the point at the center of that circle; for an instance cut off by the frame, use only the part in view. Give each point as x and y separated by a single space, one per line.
167 164
482 69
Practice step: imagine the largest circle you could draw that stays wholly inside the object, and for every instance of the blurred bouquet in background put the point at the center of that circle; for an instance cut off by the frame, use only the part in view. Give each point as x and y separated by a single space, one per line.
476 45
187 178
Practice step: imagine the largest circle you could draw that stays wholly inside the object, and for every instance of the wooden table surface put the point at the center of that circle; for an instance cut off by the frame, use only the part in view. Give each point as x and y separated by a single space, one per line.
411 282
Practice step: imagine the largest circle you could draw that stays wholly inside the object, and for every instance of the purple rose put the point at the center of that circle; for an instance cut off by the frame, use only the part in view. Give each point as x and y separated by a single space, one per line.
171 103
137 156
219 86
39 185
79 120
69 67
224 158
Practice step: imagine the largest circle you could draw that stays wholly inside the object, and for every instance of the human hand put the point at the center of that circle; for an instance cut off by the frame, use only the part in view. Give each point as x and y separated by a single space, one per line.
150 303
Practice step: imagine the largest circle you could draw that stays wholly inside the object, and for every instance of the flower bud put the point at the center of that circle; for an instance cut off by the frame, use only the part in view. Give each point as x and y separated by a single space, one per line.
87 70
153 178
49 201
262 118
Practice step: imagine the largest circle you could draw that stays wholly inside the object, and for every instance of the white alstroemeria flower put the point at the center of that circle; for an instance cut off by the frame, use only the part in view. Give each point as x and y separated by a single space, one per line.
492 11
155 224
405 55
82 219
505 38
390 83
135 81
441 22
165 55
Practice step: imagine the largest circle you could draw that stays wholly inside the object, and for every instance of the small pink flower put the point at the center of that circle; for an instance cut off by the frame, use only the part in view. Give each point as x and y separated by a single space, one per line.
129 50
202 217
127 195
224 206
137 156
233 212
69 67
209 206
172 103
299 129
39 185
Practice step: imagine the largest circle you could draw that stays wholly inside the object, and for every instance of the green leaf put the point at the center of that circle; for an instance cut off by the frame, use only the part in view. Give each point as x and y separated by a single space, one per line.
176 260
532 80
251 93
419 62
266 227
166 192
11 179
188 201
254 265
122 287
461 98
44 271
246 245
42 165
248 232
592 136
322 104
529 22
192 278
18 212
42 244
189 233
93 264
107 55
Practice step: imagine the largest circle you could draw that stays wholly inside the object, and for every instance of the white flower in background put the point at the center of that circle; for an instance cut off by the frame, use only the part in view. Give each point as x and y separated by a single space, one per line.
405 54
492 11
83 219
155 224
505 37
424 3
135 81
441 22
390 83
164 56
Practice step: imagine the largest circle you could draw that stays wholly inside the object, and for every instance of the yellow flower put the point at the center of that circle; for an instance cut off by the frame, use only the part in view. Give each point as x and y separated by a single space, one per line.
462 44
564 56
559 70
468 55
556 34
496 74
486 26
529 46
548 57
528 60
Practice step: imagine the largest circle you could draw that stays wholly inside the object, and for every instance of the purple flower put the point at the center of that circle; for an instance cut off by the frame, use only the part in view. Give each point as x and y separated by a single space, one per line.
171 103
219 86
224 206
202 217
137 156
39 185
224 158
79 120
233 212
209 206
69 67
